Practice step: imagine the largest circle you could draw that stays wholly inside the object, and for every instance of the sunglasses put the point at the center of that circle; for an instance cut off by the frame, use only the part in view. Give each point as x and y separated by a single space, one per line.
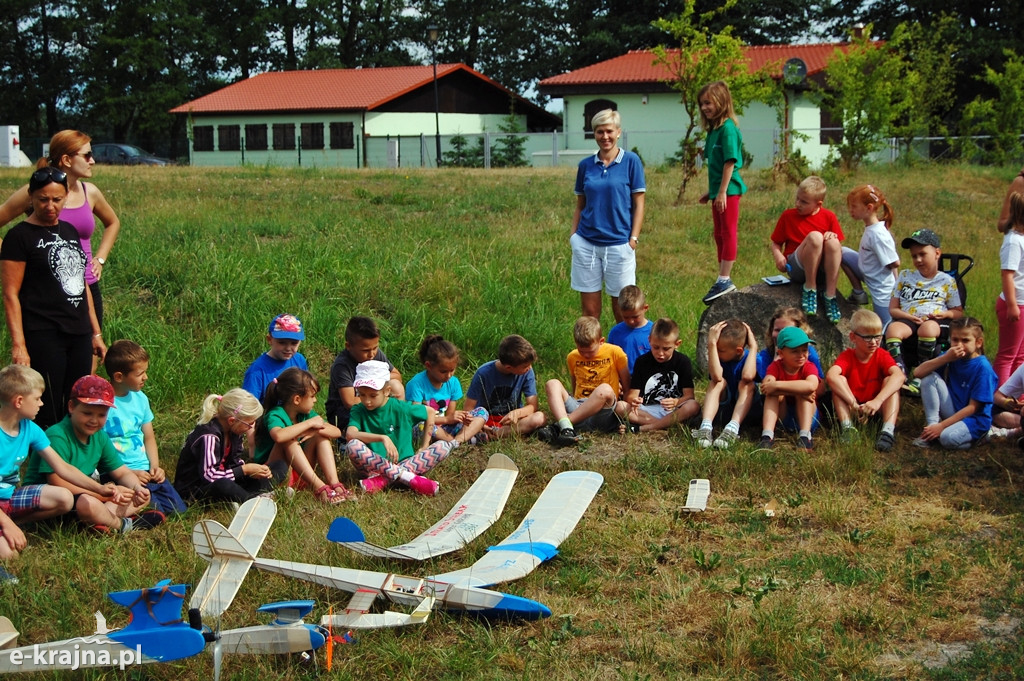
45 176
87 155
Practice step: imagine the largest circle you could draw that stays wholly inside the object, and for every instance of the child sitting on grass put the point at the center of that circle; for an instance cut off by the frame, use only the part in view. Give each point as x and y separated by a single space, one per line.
789 389
21 390
79 439
380 435
291 437
924 297
865 382
438 389
806 242
633 333
732 370
957 389
362 344
782 318
210 466
130 425
284 337
599 374
661 386
507 389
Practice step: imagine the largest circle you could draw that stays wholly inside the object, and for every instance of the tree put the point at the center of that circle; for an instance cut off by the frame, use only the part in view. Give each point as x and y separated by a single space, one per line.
509 150
928 74
999 118
700 58
863 91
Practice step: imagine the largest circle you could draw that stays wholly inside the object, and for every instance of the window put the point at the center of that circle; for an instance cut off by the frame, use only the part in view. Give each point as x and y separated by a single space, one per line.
228 138
312 135
831 127
202 138
343 136
284 136
591 108
256 137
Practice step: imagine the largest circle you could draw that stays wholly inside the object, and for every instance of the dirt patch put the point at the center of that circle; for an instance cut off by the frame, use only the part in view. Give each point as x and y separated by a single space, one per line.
933 654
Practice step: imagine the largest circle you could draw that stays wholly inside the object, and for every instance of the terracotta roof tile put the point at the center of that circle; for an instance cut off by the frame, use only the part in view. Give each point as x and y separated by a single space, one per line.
638 66
326 89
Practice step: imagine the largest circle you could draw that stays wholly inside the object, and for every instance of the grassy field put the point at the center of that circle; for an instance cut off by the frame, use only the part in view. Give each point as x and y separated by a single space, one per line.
874 566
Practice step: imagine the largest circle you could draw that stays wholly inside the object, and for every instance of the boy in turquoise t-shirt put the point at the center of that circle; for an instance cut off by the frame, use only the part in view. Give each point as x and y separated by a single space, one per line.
130 425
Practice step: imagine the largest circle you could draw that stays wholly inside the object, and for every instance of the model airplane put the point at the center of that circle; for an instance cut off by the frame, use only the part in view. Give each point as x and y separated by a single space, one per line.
552 518
471 515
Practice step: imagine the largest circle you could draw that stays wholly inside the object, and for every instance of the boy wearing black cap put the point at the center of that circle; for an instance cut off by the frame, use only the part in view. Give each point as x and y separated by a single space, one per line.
924 299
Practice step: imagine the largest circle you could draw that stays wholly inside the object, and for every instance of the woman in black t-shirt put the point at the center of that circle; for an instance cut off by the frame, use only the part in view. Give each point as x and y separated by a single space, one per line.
49 308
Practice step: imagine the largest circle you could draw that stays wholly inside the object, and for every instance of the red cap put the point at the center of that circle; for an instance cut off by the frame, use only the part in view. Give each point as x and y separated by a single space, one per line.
93 390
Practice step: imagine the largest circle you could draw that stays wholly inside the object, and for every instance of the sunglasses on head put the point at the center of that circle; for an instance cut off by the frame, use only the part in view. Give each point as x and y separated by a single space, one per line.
45 176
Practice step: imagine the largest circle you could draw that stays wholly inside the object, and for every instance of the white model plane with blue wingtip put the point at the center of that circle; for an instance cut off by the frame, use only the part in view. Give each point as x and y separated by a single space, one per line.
551 519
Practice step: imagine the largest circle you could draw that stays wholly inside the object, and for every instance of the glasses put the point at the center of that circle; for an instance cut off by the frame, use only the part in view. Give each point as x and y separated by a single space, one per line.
875 338
248 425
86 155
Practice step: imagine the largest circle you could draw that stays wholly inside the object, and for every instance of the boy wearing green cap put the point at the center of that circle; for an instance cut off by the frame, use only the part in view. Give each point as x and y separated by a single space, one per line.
789 389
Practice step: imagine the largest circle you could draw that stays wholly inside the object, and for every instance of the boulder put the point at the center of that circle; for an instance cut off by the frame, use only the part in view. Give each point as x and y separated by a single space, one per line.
756 304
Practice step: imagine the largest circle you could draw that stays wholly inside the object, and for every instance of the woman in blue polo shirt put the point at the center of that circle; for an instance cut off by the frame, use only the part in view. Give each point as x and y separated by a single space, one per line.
608 218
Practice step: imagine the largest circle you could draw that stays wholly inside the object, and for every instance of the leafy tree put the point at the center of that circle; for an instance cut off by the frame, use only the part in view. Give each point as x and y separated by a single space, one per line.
359 33
998 118
862 89
700 58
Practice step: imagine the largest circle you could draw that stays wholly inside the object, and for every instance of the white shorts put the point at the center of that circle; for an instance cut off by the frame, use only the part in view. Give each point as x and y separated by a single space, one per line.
614 266
655 410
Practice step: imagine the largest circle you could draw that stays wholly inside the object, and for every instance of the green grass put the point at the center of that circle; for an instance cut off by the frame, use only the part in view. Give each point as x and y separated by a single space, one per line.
869 557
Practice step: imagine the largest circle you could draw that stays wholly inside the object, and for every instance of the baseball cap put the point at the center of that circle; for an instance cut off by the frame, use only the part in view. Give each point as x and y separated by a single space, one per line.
372 374
286 326
792 337
93 390
923 237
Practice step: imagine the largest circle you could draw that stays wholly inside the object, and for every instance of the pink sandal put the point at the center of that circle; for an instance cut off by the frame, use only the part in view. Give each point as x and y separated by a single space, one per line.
344 492
327 495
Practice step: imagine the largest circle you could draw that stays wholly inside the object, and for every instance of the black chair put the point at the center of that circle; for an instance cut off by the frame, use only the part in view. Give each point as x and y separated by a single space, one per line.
953 265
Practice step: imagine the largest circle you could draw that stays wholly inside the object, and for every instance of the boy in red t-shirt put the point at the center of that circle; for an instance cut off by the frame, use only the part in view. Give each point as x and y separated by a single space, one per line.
806 242
866 382
789 387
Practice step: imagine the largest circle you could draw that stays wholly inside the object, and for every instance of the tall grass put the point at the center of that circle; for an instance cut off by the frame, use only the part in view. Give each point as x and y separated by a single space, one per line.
868 554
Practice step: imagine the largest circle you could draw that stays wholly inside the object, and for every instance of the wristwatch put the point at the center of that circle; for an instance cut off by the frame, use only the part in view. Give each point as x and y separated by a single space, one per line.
101 260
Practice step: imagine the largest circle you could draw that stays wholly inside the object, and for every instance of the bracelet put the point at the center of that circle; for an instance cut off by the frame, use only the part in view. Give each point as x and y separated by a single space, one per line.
97 335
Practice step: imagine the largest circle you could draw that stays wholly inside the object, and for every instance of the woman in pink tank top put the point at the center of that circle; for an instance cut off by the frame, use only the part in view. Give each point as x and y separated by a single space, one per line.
71 151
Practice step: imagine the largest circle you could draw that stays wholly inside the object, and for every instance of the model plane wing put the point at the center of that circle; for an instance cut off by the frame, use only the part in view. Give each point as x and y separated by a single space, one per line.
471 515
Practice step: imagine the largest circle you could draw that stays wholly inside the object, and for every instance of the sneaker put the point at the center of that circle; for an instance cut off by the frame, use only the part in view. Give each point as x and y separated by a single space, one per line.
832 312
997 433
373 484
921 442
858 297
849 435
6 577
766 442
548 433
146 520
424 486
704 437
719 289
804 443
809 301
885 442
567 437
726 439
912 386
480 438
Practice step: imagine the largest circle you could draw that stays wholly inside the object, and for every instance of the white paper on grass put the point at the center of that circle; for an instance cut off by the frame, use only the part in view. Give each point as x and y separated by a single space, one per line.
697 497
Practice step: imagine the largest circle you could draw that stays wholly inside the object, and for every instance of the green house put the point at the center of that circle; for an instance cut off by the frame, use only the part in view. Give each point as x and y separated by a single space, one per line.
376 117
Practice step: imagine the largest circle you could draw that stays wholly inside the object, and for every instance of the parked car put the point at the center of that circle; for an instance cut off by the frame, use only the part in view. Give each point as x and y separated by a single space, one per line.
127 155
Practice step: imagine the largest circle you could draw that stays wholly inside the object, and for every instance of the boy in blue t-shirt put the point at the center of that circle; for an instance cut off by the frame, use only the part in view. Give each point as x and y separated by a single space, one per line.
633 333
284 337
130 425
507 389
21 390
732 369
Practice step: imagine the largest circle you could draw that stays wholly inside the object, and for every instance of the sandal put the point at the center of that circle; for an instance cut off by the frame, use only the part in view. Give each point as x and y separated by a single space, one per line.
343 492
327 495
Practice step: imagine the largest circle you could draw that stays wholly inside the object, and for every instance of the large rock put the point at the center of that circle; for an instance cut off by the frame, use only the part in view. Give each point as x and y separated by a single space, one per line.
756 304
